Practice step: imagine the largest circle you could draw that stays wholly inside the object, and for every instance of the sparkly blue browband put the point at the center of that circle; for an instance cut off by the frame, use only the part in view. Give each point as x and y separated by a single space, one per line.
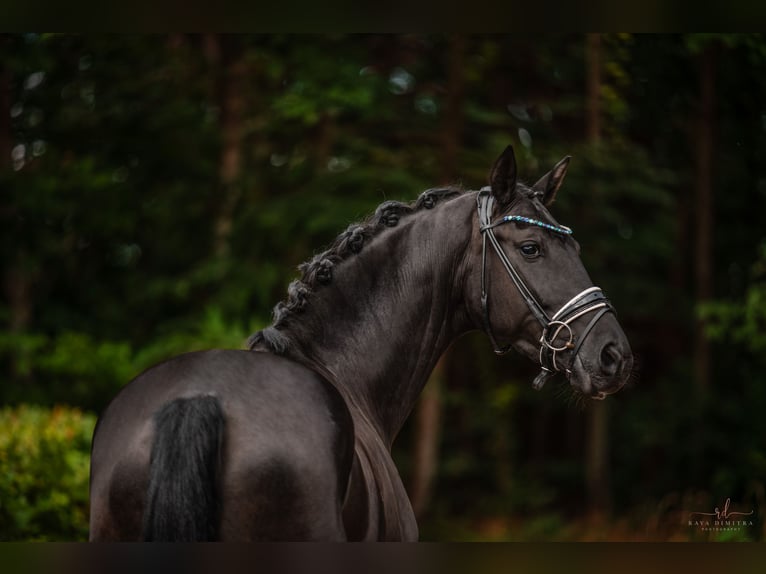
563 229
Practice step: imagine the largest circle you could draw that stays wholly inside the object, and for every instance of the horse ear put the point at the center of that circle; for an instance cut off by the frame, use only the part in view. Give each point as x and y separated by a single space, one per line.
502 178
550 183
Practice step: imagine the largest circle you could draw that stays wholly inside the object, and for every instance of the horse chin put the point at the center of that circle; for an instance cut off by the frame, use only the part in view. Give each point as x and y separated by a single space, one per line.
582 381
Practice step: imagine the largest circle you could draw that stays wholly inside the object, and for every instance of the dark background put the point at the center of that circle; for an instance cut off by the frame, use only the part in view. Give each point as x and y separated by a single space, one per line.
159 191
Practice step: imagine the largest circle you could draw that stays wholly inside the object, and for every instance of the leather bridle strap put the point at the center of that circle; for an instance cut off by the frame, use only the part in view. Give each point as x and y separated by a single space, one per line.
526 293
587 301
485 205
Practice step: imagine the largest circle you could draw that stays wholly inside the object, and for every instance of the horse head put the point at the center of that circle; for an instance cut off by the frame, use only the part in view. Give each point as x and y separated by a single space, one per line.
535 294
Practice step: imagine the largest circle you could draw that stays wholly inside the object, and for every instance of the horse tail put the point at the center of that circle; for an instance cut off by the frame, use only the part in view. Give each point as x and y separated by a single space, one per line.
182 501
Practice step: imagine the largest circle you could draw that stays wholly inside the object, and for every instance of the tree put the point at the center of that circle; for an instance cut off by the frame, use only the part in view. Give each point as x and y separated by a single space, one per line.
227 55
597 421
428 414
703 202
17 277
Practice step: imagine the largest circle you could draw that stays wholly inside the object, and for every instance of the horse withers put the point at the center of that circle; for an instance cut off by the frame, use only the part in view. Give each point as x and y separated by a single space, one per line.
291 439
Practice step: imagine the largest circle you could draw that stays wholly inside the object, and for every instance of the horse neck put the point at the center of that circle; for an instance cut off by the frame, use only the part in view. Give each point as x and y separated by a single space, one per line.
390 312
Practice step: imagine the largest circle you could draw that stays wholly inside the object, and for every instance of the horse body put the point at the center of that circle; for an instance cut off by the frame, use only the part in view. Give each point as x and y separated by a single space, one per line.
270 409
309 414
284 461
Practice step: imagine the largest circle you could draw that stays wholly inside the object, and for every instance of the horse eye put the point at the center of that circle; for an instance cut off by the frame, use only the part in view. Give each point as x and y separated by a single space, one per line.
530 250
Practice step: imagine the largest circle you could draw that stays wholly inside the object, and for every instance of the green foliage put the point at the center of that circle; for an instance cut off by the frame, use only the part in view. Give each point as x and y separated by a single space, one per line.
742 322
113 195
75 368
696 43
45 460
211 330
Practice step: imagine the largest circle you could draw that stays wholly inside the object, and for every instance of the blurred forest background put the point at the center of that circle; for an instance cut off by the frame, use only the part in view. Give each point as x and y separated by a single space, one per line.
158 193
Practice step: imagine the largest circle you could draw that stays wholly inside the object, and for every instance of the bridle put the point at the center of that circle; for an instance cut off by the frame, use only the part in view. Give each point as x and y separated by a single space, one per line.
589 300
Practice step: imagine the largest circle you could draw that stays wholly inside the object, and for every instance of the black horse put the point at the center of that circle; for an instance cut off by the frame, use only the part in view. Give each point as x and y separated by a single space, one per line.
291 439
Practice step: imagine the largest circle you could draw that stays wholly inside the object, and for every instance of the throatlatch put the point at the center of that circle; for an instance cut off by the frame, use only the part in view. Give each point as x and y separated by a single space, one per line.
557 335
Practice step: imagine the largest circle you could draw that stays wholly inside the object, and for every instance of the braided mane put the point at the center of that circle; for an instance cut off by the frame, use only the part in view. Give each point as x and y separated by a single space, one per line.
318 271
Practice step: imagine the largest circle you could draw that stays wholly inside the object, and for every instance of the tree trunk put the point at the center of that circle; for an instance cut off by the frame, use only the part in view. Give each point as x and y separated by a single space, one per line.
593 88
597 460
17 280
425 454
5 105
231 102
597 423
453 113
429 408
703 254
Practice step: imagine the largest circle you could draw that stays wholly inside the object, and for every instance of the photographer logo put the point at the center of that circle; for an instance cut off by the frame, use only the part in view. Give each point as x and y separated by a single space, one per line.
721 519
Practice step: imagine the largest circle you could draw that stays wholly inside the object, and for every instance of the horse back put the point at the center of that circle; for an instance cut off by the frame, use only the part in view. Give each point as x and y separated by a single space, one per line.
285 454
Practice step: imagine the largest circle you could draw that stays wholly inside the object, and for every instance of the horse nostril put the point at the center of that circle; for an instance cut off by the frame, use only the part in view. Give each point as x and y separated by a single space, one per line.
611 359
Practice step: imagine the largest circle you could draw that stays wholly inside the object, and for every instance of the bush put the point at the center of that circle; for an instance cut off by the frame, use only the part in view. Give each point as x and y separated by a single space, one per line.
84 370
44 457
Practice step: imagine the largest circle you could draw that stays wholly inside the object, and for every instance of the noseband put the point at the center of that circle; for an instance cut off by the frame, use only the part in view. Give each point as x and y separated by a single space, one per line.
587 301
